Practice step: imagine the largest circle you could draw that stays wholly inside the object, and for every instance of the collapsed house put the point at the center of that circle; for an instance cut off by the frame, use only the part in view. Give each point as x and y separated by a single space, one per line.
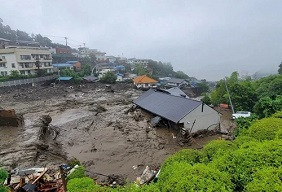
185 113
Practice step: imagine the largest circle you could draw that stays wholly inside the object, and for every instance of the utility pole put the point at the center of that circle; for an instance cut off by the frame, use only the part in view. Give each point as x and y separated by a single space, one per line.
66 41
229 96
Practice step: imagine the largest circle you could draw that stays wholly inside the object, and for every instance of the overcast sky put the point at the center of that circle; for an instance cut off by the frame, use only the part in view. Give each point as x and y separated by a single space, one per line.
204 38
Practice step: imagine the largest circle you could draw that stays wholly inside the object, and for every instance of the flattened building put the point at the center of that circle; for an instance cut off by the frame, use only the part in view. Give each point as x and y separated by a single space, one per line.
186 113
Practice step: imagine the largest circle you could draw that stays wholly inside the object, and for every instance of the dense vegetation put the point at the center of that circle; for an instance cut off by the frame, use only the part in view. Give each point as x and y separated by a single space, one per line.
3 176
77 76
109 77
264 96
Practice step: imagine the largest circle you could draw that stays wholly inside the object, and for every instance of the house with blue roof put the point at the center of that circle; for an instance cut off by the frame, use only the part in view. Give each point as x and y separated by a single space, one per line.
75 65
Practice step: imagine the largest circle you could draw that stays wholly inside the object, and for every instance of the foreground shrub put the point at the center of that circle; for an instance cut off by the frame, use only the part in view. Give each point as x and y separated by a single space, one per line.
181 176
277 114
185 155
78 173
216 148
243 124
3 176
265 129
243 139
267 179
248 159
84 184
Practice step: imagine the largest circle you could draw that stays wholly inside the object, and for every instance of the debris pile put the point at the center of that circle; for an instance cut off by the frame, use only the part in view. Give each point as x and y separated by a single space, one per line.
35 179
9 118
147 176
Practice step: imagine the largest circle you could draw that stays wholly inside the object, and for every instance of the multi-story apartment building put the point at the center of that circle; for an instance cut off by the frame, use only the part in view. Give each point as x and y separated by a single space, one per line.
25 60
86 52
143 62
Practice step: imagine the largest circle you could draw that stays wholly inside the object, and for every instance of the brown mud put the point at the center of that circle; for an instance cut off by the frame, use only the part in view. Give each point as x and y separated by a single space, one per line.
88 123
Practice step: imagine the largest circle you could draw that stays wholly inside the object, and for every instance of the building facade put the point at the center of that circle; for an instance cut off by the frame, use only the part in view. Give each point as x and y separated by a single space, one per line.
25 60
143 62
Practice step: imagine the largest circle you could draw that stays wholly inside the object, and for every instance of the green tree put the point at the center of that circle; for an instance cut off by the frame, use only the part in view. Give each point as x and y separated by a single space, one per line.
266 106
203 87
15 74
86 70
206 99
280 69
181 75
140 70
109 77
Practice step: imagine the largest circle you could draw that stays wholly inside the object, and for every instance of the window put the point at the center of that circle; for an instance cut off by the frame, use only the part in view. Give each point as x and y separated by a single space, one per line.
2 65
3 57
13 65
25 57
3 73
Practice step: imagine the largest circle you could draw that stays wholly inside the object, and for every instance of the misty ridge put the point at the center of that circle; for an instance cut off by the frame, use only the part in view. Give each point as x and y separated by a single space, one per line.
206 40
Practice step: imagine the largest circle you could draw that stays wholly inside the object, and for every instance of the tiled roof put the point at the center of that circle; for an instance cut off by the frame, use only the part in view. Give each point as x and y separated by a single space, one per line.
144 79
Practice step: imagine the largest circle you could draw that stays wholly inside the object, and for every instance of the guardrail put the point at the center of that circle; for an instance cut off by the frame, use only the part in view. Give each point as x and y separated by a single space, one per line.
27 81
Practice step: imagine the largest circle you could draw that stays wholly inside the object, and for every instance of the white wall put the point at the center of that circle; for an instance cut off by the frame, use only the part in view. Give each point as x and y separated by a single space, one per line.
203 119
10 58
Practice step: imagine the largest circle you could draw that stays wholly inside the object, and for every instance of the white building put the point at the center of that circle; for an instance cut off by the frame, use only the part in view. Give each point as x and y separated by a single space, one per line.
24 60
134 61
86 52
111 59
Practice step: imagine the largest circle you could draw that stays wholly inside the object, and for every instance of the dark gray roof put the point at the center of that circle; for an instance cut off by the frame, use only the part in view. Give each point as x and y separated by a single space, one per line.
177 92
2 39
167 106
90 78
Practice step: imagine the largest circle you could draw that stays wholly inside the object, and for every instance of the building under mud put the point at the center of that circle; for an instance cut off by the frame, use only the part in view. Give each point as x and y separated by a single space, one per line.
88 123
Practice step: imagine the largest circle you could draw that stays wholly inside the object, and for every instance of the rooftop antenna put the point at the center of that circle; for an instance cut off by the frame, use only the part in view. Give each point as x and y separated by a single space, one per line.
229 96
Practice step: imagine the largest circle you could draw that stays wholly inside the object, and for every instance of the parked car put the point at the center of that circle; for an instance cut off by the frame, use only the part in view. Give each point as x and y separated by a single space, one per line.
241 114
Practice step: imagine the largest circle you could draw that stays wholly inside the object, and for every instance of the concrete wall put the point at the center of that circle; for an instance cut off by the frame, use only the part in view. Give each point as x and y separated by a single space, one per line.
204 119
10 58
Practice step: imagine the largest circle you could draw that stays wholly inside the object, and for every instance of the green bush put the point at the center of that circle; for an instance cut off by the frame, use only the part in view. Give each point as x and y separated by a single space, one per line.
216 148
206 99
248 159
3 176
267 106
73 162
265 129
84 184
109 77
278 114
266 179
181 176
185 155
78 173
243 124
243 139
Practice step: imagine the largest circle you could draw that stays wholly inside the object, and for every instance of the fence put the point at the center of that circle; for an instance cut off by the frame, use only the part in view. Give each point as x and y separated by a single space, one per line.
27 81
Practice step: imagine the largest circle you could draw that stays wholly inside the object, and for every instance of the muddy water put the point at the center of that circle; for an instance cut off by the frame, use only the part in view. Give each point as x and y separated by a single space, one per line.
107 142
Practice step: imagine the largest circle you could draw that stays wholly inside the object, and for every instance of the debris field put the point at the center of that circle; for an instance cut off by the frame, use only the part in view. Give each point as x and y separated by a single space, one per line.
87 122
